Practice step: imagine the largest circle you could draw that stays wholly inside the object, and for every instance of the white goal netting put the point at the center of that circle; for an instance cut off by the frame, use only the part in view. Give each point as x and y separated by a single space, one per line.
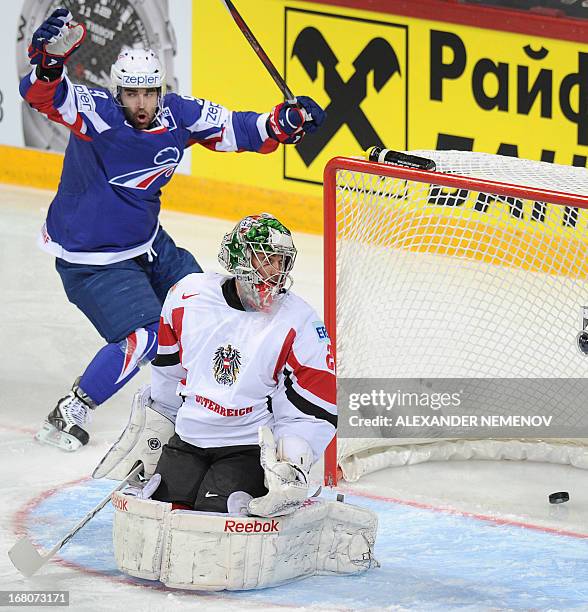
442 282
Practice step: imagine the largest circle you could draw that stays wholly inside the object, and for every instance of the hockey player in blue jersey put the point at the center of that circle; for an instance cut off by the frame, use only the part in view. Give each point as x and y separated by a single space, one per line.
115 261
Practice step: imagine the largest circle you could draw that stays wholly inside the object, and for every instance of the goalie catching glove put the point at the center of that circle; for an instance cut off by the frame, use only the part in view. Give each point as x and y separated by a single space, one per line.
288 123
286 474
141 441
55 40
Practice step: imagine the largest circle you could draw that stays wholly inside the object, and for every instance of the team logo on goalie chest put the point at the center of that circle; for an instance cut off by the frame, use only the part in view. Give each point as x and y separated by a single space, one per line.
226 365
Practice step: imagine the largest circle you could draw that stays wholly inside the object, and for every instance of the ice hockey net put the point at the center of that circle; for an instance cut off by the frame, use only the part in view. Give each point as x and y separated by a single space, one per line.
479 269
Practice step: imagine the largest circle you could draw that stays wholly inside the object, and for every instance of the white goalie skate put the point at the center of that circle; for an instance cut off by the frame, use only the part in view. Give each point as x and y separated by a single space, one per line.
63 426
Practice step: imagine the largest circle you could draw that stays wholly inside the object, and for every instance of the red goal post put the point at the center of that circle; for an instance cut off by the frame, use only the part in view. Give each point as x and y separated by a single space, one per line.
478 219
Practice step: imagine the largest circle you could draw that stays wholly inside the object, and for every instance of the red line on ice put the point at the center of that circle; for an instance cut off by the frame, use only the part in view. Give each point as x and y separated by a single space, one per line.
481 517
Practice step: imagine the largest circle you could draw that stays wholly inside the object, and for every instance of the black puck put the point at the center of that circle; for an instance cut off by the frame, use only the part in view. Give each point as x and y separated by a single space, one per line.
559 498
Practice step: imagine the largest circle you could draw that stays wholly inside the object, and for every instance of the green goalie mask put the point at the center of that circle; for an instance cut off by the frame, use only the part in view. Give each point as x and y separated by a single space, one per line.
260 253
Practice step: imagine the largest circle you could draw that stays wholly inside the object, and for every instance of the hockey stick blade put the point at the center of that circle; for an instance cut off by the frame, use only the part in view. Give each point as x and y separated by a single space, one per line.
27 559
265 60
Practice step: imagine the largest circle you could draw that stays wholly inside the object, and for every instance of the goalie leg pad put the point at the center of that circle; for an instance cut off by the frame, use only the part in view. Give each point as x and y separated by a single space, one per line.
216 552
213 552
142 440
138 535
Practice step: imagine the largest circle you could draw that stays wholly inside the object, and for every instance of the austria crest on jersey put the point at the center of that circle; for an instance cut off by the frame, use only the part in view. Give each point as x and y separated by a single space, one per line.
226 365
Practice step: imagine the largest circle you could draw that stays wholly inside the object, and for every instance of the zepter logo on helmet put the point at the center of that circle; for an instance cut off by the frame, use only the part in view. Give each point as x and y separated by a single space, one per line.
137 68
260 252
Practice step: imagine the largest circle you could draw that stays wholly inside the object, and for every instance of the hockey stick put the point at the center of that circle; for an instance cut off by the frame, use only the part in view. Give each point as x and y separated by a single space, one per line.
265 60
27 559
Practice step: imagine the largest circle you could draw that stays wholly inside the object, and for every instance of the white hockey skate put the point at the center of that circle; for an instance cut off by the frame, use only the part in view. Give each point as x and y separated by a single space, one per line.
63 425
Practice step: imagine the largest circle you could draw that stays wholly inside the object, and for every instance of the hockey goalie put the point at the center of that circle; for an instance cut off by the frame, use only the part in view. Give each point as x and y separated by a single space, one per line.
241 405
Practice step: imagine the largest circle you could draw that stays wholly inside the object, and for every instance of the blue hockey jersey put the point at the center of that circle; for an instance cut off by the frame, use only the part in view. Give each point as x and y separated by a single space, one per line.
107 204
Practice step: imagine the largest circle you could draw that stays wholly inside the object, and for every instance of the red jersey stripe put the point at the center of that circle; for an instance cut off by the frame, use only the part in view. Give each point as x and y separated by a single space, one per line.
165 335
211 143
150 179
321 383
42 93
41 96
177 320
269 146
283 356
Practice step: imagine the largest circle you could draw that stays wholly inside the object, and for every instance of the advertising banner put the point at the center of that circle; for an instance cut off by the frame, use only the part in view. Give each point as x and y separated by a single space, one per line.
404 82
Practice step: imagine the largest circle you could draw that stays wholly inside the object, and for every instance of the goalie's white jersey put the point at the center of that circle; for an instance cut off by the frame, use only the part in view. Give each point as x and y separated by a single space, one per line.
230 371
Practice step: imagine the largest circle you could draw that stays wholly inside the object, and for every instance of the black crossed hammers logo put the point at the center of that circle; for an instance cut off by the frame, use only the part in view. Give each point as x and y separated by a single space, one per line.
378 57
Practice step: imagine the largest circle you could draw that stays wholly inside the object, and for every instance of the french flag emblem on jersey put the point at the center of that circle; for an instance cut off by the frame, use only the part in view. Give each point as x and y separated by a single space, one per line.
143 179
167 161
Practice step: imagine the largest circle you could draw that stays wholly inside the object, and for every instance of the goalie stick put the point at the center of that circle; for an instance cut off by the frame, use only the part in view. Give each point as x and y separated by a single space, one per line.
27 559
265 60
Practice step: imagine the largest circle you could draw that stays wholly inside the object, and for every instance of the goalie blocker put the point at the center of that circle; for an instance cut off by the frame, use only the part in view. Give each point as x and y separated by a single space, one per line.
213 551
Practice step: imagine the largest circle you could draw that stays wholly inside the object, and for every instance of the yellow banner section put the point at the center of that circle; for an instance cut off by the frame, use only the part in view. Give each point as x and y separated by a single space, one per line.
504 231
353 63
386 79
502 93
405 82
42 169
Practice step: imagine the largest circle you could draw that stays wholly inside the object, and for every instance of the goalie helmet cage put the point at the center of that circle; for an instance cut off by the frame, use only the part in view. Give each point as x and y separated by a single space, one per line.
478 269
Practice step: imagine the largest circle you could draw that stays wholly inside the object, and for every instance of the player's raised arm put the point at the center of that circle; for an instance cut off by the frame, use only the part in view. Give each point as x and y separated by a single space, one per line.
46 88
220 129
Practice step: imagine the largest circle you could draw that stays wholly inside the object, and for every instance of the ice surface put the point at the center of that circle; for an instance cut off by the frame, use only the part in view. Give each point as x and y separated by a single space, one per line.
434 555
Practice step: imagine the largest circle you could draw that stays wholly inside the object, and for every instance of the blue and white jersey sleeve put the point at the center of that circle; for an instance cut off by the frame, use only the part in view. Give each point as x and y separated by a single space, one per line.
219 129
82 110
